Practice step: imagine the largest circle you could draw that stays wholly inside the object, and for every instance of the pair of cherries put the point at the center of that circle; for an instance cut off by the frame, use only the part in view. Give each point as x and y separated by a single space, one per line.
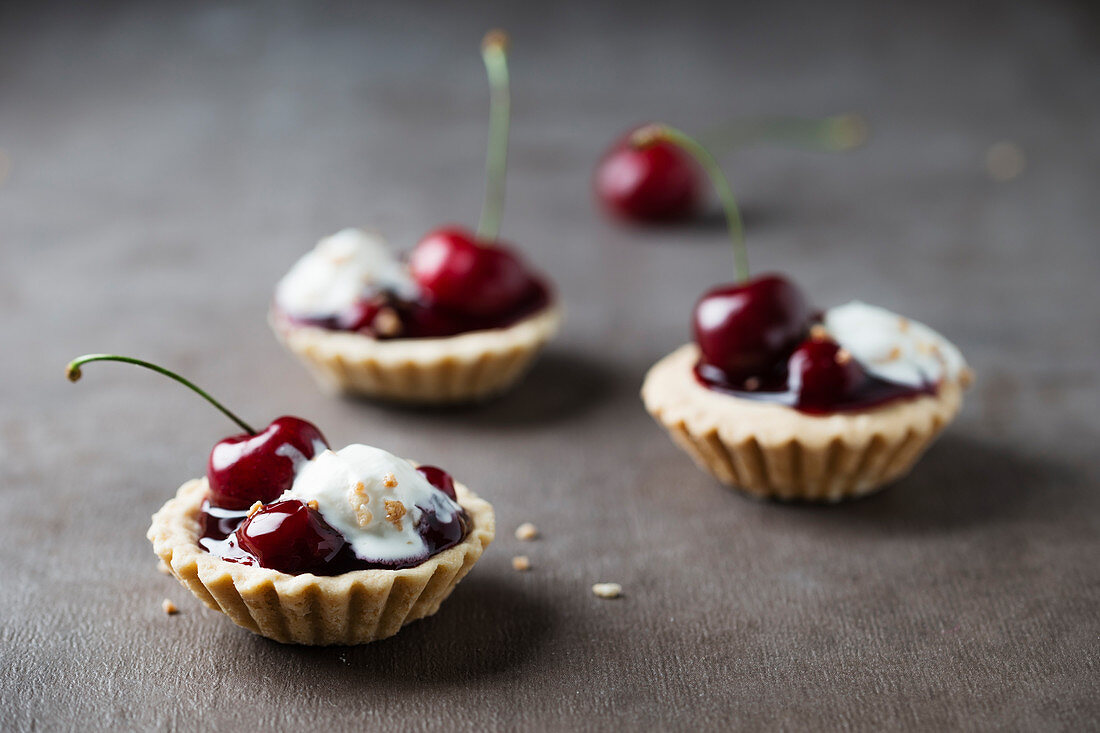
756 328
285 535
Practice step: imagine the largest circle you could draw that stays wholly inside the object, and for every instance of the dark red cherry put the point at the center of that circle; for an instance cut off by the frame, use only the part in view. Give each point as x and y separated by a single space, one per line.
747 329
652 183
440 479
823 375
289 537
360 315
244 469
467 276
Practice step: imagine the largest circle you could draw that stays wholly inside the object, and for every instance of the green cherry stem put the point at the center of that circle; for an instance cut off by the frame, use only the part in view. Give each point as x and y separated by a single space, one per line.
831 134
72 371
494 51
650 134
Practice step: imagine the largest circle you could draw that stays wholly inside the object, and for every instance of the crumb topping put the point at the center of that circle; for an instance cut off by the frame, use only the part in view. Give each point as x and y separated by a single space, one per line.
168 607
521 563
386 322
389 481
358 498
394 511
255 508
818 332
312 504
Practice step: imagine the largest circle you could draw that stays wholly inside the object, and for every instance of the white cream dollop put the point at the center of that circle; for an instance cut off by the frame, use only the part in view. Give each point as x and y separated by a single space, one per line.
373 498
338 271
893 347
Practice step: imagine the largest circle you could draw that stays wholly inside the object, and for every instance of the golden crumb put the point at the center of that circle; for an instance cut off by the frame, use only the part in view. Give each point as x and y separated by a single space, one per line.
818 332
752 384
394 511
389 481
903 324
1004 161
607 590
358 498
521 563
843 356
162 567
255 508
168 607
894 355
386 322
312 504
527 532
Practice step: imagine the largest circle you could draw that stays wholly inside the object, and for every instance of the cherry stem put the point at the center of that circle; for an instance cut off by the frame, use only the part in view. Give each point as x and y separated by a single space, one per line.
72 371
651 134
494 51
830 134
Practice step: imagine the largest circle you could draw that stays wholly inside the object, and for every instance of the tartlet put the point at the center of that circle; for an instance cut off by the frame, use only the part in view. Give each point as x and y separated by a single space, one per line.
351 608
306 545
461 319
403 350
774 451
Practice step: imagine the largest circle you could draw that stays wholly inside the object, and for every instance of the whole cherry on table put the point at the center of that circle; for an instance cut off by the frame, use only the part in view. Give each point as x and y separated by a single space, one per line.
662 182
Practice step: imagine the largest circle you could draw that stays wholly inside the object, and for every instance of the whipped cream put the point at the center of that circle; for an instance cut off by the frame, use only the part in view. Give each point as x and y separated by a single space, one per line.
893 347
373 498
338 271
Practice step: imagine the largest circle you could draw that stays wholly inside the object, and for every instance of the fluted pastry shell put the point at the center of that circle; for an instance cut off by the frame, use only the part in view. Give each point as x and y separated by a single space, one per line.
773 451
352 608
464 368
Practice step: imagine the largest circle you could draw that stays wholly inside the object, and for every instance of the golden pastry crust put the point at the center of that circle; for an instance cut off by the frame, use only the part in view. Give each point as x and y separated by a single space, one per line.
772 451
464 368
352 608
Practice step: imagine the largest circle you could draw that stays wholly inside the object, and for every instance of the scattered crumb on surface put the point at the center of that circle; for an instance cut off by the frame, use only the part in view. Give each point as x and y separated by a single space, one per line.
162 567
818 332
521 563
607 590
527 531
1004 161
169 607
389 481
843 356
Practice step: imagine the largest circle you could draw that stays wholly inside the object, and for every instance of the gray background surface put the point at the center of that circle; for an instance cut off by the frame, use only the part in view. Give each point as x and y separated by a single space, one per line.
162 168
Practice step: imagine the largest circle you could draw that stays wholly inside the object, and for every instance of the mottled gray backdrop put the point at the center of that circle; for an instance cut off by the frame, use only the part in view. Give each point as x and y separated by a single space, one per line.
162 166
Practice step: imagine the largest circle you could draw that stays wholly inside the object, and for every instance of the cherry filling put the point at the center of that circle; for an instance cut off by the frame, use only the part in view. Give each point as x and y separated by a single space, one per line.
465 285
293 538
753 344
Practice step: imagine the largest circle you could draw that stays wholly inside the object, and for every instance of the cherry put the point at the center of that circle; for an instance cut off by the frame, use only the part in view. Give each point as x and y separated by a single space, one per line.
440 479
460 273
659 182
823 375
244 468
360 315
748 328
289 537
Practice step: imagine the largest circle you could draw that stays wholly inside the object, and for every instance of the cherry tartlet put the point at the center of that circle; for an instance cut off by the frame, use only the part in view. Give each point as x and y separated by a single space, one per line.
306 545
461 318
781 400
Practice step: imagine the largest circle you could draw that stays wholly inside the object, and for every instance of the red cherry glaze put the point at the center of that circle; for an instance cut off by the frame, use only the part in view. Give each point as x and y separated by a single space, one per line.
244 469
652 183
440 479
290 537
747 329
467 276
822 375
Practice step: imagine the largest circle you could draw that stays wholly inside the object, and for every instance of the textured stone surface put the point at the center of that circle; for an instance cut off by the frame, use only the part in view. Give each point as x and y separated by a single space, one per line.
164 167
